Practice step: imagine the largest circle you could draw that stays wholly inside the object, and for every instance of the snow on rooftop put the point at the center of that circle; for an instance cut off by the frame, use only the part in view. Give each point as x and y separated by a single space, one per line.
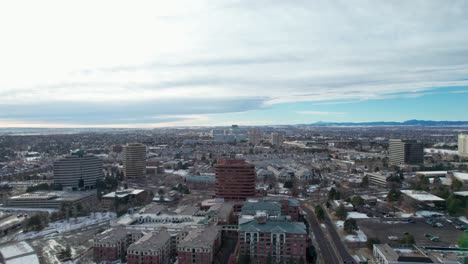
358 237
464 193
431 172
15 249
422 196
461 176
356 215
28 259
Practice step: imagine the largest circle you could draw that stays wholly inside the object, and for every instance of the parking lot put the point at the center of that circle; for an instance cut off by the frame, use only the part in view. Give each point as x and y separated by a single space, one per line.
383 228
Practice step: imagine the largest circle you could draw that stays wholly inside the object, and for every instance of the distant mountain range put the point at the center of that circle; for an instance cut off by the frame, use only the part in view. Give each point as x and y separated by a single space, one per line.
404 123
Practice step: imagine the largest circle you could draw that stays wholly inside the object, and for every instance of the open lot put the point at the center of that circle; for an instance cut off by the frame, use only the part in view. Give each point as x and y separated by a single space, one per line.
382 228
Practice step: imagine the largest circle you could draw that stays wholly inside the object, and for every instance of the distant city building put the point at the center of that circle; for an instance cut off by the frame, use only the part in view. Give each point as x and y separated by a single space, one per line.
463 145
276 139
235 179
78 171
134 161
255 136
405 152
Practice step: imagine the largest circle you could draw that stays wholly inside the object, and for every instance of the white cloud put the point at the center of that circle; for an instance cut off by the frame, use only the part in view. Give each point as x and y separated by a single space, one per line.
101 52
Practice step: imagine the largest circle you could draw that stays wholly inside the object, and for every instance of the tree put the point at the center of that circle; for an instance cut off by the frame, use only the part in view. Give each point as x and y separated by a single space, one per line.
161 191
244 259
288 184
350 225
357 201
393 195
36 222
463 241
365 181
371 241
332 194
454 205
66 253
407 239
319 212
341 212
456 185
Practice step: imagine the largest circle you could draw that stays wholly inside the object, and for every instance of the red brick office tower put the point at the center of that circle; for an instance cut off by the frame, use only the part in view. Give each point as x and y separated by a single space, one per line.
235 179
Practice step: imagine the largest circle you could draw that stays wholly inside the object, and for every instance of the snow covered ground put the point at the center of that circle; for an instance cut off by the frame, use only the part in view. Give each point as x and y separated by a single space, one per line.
72 224
356 215
427 213
358 237
339 224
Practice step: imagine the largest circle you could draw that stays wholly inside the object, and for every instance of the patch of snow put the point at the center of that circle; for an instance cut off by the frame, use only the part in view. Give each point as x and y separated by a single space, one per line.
427 213
356 215
339 224
463 219
358 237
404 215
68 225
404 250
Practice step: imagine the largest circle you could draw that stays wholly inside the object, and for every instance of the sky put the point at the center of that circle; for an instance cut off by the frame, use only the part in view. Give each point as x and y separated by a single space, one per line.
221 62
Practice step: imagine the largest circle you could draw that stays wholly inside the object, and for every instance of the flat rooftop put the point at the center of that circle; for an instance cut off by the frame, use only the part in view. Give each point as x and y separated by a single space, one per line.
422 196
461 176
123 193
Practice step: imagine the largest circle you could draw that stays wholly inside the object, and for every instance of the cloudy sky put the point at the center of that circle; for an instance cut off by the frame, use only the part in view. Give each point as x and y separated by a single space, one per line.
216 62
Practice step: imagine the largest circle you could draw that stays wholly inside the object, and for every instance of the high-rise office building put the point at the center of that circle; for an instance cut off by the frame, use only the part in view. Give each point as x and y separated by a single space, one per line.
276 139
405 152
255 136
78 171
235 179
463 145
134 161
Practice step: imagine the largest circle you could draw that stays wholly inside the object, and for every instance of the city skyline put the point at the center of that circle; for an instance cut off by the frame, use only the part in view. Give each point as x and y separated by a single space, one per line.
216 63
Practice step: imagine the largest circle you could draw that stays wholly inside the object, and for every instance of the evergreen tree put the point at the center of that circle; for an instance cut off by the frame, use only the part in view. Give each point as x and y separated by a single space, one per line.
341 212
350 225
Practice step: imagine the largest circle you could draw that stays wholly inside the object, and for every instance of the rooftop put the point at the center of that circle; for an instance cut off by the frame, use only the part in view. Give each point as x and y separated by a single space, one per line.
111 235
422 196
19 252
273 227
461 176
123 193
261 206
200 238
151 241
464 193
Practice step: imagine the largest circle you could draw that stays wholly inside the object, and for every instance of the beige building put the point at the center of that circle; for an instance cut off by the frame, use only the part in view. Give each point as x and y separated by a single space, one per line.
463 145
276 139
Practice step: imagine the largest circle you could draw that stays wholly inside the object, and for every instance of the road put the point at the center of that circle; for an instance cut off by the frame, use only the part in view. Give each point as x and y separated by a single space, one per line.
325 247
345 256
